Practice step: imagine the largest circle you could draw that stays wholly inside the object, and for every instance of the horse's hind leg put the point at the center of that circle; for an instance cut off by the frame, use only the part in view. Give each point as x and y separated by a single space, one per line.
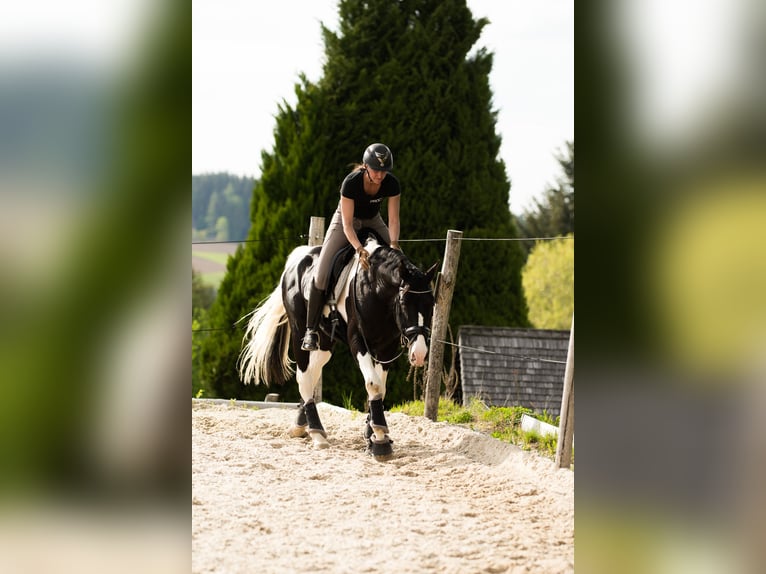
316 430
308 416
298 430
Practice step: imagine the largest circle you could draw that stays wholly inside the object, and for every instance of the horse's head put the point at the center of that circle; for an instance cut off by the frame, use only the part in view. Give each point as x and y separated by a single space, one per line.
415 306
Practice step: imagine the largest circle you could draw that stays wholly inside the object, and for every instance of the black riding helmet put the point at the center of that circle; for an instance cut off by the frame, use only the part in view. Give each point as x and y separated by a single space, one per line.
378 157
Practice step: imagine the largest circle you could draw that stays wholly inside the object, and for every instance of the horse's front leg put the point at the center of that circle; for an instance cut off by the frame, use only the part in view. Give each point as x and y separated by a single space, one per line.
309 370
376 430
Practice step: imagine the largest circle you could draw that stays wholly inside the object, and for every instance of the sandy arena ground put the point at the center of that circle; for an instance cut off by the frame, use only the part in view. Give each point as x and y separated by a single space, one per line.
450 501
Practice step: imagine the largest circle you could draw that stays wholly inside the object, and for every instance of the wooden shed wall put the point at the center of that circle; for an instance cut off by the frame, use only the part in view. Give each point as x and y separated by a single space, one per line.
512 372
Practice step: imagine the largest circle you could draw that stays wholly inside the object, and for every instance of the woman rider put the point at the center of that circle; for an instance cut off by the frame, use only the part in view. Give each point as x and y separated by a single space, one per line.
362 192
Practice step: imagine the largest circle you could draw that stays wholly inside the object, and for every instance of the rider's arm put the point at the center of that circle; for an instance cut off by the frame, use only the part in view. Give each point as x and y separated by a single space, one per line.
347 216
393 220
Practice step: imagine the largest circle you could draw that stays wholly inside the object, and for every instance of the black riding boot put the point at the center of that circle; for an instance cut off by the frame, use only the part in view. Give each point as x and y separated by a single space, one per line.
316 302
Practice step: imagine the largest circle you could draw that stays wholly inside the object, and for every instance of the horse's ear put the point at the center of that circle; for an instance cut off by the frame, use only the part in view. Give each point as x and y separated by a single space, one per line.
431 273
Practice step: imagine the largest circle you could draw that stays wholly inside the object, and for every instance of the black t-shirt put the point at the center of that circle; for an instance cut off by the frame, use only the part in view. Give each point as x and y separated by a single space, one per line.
368 206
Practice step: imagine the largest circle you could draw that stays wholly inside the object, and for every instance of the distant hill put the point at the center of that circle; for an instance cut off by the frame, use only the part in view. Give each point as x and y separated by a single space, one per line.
221 206
209 260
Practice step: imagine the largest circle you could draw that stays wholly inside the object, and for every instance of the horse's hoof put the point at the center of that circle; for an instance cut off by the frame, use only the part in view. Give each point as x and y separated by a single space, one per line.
297 431
381 451
318 439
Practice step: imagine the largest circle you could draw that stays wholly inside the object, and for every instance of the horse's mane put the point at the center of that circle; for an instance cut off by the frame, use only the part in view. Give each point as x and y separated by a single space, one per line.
395 259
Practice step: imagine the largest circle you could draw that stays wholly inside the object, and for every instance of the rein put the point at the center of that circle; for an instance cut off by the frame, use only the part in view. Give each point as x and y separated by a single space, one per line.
361 330
415 330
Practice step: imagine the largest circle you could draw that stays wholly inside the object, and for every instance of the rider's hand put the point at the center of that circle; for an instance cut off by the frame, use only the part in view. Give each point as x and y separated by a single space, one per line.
364 256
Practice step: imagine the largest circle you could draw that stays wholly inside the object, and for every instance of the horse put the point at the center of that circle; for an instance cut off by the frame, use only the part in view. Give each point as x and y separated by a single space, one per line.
379 312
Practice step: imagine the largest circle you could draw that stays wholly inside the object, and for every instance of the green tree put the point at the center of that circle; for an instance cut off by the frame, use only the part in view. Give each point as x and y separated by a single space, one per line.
554 214
216 195
406 74
548 279
202 298
222 229
202 295
235 211
213 208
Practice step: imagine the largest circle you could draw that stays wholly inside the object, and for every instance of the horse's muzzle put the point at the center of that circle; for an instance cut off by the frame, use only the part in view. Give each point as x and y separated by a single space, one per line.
418 351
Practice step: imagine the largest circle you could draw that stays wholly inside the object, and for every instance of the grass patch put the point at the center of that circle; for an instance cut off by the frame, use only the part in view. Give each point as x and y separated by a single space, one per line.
502 423
447 409
348 401
463 417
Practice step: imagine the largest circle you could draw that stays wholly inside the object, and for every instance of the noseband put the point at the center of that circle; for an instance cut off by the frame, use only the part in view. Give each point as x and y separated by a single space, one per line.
409 334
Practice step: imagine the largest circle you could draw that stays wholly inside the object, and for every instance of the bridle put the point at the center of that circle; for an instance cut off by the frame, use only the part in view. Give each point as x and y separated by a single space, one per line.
408 334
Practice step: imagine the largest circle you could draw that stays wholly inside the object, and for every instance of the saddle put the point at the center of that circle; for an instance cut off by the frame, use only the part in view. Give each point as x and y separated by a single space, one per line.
339 272
340 267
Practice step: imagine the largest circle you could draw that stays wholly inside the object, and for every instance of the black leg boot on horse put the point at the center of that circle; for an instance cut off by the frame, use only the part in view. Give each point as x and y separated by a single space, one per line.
298 430
316 302
316 430
376 432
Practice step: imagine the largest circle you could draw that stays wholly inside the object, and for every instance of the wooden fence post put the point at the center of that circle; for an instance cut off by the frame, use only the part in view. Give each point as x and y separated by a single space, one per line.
316 231
566 424
443 300
316 237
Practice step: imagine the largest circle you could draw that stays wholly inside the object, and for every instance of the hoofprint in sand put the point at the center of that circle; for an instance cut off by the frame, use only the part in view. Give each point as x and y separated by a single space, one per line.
451 500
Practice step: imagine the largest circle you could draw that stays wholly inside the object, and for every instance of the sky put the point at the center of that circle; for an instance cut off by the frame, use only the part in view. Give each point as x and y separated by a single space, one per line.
247 59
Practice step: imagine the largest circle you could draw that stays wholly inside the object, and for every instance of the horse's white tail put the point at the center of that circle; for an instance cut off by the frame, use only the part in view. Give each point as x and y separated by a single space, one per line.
264 358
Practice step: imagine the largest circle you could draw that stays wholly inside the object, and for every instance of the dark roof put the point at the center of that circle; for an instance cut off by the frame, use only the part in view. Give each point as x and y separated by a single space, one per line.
513 367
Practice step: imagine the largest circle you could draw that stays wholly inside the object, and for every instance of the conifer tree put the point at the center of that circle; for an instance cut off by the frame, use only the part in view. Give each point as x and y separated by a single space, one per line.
406 74
554 214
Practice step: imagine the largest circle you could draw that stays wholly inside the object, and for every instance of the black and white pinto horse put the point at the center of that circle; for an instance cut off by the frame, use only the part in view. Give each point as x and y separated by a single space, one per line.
379 312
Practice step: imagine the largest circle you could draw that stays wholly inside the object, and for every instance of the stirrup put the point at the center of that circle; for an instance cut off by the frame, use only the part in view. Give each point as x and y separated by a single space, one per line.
310 341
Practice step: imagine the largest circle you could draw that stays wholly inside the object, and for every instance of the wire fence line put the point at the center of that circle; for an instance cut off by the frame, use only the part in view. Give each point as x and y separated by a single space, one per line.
490 239
488 352
425 240
477 349
291 238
